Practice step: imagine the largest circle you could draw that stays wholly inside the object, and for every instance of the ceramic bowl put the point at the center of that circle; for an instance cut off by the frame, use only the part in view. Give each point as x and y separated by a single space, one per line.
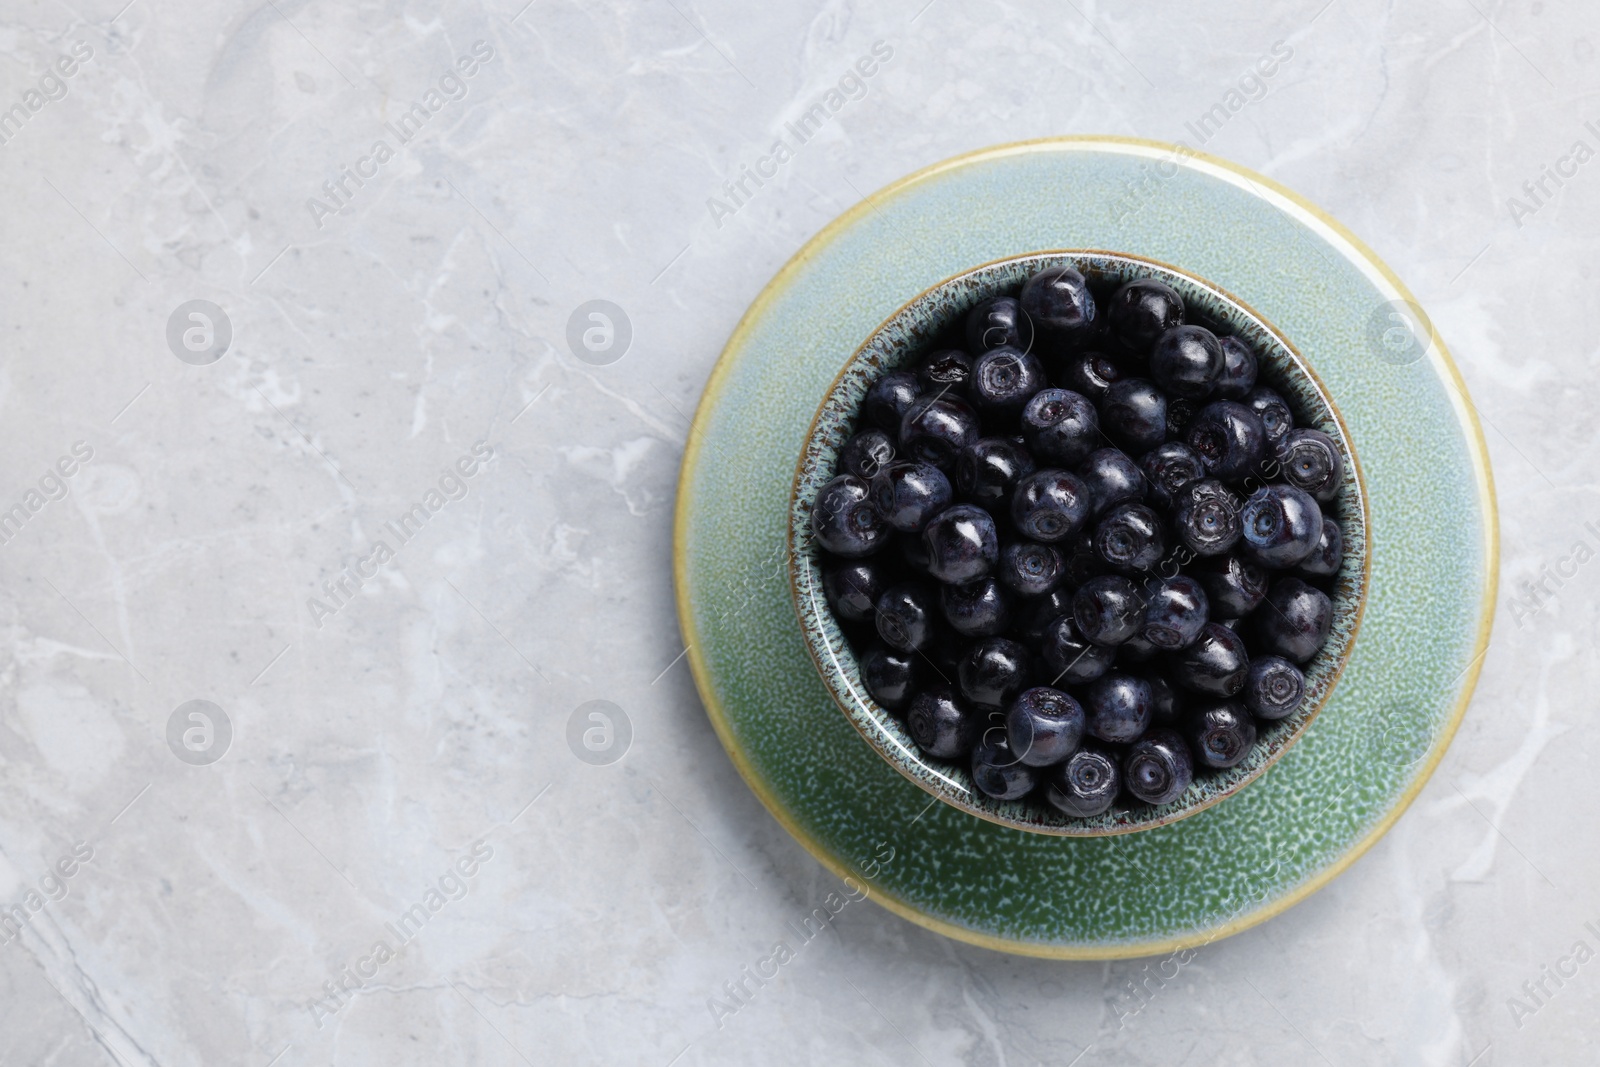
900 343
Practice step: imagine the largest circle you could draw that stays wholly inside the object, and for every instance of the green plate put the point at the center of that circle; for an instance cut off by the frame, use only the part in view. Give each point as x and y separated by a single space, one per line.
1430 599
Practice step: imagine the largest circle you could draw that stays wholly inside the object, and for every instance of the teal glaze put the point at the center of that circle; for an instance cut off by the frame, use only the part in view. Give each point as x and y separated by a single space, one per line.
1412 665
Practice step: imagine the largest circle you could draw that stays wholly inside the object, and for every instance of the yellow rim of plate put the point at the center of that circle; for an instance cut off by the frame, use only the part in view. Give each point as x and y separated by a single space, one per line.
1290 203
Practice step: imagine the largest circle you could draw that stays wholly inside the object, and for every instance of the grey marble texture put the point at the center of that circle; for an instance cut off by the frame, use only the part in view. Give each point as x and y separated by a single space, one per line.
380 734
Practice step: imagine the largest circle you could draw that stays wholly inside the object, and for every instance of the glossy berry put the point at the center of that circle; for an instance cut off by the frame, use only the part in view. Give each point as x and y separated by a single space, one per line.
1129 538
989 469
1324 560
1086 785
993 671
1118 707
853 587
1134 414
1280 526
1233 586
909 495
1158 768
865 454
1310 460
1180 416
1050 505
1214 665
1238 369
1091 373
1166 705
890 397
1220 735
1044 726
1167 469
1108 610
1029 568
1036 613
908 616
1206 518
1081 560
1229 439
978 608
935 431
1294 620
890 675
1070 659
1276 419
844 520
962 544
1112 478
996 322
1061 427
1141 311
1058 302
1175 613
941 724
1003 379
997 772
1274 688
945 371
1187 361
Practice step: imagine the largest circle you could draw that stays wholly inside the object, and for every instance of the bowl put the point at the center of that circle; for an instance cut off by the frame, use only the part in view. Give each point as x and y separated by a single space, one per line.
899 343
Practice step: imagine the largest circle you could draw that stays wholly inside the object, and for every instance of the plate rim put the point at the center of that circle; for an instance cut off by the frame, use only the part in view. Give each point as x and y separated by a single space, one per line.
1297 206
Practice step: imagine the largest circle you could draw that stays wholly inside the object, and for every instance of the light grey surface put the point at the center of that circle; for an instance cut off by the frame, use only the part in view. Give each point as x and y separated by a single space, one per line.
372 350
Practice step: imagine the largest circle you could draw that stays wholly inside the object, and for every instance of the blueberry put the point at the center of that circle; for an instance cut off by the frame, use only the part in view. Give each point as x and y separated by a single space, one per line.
1091 373
1233 586
1158 769
936 430
947 370
853 587
908 495
1086 785
1118 707
1311 461
1187 361
1280 526
1108 610
1129 538
1294 620
997 772
1068 657
1324 560
1215 664
844 520
865 454
890 675
889 398
1206 518
1238 369
1134 413
1175 613
962 544
1002 381
1141 311
993 671
1274 688
1181 412
1112 478
1036 613
1044 726
989 469
1167 469
1081 561
1061 426
940 724
1167 707
1229 439
1059 303
1276 419
997 322
1030 568
979 608
908 616
1050 505
1220 735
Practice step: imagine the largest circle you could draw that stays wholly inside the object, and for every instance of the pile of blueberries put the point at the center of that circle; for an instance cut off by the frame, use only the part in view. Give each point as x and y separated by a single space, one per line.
1083 551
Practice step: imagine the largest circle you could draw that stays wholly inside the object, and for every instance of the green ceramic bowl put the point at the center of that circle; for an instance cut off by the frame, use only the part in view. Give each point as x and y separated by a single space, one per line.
900 343
1431 553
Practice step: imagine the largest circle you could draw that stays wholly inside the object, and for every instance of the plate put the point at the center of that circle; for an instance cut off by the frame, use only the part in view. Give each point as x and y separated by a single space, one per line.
1432 529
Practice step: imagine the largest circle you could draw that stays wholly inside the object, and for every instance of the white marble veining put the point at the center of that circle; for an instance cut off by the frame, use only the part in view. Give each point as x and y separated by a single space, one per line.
392 307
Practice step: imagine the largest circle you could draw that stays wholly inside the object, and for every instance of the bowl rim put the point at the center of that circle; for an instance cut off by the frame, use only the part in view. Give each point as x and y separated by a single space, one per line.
798 559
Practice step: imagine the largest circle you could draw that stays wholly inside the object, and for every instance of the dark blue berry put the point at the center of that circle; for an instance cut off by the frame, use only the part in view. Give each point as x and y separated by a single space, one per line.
844 520
1294 620
996 322
947 370
1221 734
1134 413
1233 586
979 608
1086 785
888 400
936 430
1060 426
1206 518
1034 614
1238 369
1050 505
1276 419
993 671
1118 707
890 675
1068 658
1044 726
1180 415
1091 373
1158 769
1324 560
908 616
1129 538
1215 664
865 454
1187 361
853 587
1175 613
1108 610
1280 526
962 544
1059 303
1112 478
996 770
1310 460
1030 568
908 495
988 471
1081 560
1002 381
1141 311
1274 688
1229 439
1166 705
941 724
1167 469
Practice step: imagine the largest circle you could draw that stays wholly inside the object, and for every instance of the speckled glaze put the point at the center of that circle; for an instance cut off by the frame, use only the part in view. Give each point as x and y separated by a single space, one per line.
899 344
1432 554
